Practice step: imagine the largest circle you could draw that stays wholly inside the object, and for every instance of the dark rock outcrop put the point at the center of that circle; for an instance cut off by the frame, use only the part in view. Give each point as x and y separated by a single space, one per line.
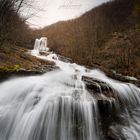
111 120
64 59
96 87
4 75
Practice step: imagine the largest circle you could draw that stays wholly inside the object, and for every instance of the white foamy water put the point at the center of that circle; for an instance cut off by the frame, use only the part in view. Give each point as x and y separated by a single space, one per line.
40 45
57 105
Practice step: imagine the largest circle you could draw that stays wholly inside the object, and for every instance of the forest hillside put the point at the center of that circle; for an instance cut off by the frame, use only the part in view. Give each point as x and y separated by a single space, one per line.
107 36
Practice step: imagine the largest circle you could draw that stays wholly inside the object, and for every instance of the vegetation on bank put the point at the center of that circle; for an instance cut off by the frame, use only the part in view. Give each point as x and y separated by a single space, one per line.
15 38
10 68
13 28
108 36
14 58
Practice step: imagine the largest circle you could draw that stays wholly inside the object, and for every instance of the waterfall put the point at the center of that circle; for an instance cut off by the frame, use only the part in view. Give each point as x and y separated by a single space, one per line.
58 105
40 45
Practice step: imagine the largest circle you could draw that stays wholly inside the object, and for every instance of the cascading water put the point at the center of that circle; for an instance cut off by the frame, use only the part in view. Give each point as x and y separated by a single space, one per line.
41 45
57 105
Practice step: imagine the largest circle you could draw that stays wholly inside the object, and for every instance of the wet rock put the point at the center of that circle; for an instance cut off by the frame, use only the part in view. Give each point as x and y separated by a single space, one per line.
107 105
97 87
24 72
111 120
121 77
116 76
36 100
64 59
115 133
44 53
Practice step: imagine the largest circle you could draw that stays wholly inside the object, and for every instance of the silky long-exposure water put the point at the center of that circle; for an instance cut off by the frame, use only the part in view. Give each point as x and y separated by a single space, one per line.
58 106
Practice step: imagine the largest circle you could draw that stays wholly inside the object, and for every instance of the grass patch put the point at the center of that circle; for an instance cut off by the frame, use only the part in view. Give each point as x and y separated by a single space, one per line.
9 68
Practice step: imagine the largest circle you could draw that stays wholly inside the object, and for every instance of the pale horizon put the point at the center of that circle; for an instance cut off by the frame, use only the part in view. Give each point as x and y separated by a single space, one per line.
47 12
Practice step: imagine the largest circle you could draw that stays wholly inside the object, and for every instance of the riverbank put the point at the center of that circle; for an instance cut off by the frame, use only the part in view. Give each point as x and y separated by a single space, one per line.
15 61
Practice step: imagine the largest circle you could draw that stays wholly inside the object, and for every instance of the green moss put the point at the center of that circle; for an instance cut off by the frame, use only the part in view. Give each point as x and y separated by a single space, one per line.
15 67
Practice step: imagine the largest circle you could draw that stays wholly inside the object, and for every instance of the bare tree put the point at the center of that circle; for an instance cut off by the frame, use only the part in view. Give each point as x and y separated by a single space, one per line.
10 21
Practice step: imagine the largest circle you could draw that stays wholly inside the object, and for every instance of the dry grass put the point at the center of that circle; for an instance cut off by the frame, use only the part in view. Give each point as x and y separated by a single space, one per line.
12 57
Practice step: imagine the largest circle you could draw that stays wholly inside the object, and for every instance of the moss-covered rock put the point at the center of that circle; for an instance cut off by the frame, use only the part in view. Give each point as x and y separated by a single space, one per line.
15 67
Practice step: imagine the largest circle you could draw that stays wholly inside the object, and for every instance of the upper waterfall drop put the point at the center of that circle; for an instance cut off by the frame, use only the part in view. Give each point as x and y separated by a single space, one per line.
40 45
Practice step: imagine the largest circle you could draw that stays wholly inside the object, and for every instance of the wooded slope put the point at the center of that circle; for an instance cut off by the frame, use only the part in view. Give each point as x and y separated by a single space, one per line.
108 36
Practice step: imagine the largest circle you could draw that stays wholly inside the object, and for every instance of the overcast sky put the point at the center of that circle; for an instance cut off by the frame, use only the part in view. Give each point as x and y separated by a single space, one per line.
46 12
